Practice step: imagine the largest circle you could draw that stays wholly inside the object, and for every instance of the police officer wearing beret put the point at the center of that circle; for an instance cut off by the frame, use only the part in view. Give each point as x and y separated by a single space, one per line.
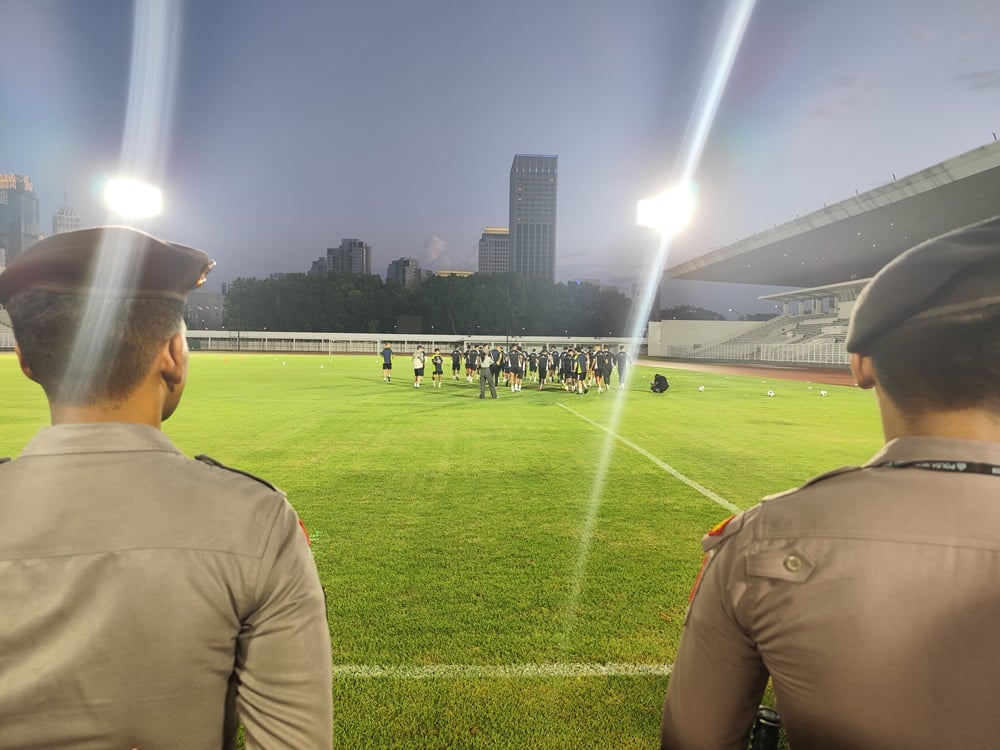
871 595
148 600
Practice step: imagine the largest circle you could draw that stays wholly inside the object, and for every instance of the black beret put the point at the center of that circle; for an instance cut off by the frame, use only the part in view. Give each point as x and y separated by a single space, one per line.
955 274
113 261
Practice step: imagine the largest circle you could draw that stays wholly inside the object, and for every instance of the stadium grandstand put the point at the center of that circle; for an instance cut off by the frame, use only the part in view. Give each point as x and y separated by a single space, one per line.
826 258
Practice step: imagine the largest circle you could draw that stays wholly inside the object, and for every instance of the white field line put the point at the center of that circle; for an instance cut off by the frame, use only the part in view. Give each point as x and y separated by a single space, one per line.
662 464
497 671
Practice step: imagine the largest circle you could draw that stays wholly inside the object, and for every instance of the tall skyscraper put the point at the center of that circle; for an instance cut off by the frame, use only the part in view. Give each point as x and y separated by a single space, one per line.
65 220
353 256
19 228
494 250
405 271
533 183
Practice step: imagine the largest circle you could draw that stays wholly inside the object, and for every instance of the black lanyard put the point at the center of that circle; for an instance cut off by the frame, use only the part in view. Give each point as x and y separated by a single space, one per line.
960 467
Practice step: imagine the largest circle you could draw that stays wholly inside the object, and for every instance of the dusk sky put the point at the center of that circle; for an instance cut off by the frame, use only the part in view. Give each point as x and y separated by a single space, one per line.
301 122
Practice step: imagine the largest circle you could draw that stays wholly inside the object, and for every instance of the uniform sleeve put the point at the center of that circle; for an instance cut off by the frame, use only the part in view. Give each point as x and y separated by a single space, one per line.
718 677
283 666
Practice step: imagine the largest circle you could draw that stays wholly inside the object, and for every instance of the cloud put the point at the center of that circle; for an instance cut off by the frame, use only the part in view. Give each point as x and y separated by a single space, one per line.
979 79
434 254
844 94
823 113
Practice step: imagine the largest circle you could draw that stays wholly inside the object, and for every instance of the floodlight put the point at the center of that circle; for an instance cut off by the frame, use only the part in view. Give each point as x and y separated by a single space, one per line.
669 212
133 199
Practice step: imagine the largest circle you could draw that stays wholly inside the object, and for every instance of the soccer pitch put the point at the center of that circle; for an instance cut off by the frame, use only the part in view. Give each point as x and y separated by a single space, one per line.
492 581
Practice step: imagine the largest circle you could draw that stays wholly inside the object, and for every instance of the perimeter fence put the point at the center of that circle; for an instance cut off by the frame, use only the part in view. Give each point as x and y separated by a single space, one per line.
818 353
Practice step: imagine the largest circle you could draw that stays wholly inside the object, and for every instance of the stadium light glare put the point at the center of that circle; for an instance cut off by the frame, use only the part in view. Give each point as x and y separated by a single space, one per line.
133 199
669 212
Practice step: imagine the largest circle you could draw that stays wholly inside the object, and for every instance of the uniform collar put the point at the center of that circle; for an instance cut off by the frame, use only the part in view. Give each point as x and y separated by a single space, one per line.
937 449
97 437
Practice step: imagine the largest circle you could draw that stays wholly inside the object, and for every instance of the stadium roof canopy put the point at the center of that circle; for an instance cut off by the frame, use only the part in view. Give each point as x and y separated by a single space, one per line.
853 239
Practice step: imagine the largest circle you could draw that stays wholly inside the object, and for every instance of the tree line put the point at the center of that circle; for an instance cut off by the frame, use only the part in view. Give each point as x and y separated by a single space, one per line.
458 305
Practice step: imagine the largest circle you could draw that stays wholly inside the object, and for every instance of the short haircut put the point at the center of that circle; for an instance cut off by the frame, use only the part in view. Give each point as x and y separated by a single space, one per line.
46 325
942 364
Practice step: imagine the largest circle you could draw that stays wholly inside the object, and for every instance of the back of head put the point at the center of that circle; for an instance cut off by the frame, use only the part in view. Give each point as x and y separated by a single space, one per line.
930 321
90 308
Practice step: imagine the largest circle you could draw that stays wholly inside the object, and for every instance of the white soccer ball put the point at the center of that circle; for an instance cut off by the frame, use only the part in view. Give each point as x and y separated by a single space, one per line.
701 388
282 363
770 393
822 393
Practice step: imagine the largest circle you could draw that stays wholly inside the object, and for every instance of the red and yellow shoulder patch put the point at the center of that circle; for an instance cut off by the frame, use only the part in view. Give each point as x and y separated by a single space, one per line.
697 581
302 525
720 526
715 532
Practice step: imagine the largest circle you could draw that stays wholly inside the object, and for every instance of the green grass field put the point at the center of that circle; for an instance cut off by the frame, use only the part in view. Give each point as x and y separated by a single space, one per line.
485 588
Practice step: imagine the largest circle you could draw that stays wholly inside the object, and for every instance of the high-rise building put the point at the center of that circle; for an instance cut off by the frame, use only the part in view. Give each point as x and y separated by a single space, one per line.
319 266
494 250
533 183
19 228
405 271
65 220
353 256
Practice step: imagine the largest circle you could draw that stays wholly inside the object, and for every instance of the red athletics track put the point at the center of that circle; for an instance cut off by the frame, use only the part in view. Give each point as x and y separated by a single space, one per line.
827 375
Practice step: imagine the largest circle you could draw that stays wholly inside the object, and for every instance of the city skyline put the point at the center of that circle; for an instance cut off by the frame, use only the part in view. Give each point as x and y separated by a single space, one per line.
396 122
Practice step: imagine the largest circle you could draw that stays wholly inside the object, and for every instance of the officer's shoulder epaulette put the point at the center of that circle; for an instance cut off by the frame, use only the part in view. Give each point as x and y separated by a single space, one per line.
722 530
814 480
219 465
833 473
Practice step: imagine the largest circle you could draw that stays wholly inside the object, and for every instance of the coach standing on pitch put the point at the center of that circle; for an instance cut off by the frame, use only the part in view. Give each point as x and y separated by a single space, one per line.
148 600
871 595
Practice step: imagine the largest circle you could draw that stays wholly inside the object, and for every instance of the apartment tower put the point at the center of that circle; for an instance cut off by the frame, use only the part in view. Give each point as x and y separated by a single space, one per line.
533 183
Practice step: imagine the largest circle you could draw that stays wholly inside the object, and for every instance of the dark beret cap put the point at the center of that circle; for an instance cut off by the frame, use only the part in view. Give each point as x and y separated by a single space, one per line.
112 261
953 275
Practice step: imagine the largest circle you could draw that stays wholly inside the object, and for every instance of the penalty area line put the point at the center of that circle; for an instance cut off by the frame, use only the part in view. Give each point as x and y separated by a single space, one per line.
497 671
662 464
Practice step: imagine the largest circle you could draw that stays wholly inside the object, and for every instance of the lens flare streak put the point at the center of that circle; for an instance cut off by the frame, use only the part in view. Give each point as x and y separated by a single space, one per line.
699 125
155 52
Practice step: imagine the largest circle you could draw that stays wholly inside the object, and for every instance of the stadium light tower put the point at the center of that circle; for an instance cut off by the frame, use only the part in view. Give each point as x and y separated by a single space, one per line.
669 212
132 199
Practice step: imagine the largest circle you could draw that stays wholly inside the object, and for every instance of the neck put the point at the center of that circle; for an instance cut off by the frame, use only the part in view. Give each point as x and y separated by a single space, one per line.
62 414
139 407
964 424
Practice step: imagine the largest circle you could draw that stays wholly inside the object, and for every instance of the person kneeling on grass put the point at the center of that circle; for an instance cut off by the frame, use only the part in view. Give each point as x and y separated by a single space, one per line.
658 384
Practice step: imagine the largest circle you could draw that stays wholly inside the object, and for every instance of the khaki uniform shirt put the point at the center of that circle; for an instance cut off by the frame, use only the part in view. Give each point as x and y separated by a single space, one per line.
872 598
148 600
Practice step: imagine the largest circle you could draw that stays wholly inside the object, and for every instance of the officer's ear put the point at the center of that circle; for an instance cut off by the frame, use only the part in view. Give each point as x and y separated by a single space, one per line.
25 367
863 370
173 360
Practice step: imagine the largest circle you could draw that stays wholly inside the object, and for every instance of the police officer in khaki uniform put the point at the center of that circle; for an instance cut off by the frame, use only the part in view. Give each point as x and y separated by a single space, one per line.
147 600
871 595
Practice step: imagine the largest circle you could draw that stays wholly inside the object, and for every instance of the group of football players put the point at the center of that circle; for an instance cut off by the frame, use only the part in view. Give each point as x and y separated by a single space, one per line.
575 368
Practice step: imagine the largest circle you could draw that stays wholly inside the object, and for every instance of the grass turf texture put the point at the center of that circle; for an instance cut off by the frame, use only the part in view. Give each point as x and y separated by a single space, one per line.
447 530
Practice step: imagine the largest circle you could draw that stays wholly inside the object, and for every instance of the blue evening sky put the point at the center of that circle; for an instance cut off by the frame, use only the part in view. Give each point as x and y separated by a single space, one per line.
296 123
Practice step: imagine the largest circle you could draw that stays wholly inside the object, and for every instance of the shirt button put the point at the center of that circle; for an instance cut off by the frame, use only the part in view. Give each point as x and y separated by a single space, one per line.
792 563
